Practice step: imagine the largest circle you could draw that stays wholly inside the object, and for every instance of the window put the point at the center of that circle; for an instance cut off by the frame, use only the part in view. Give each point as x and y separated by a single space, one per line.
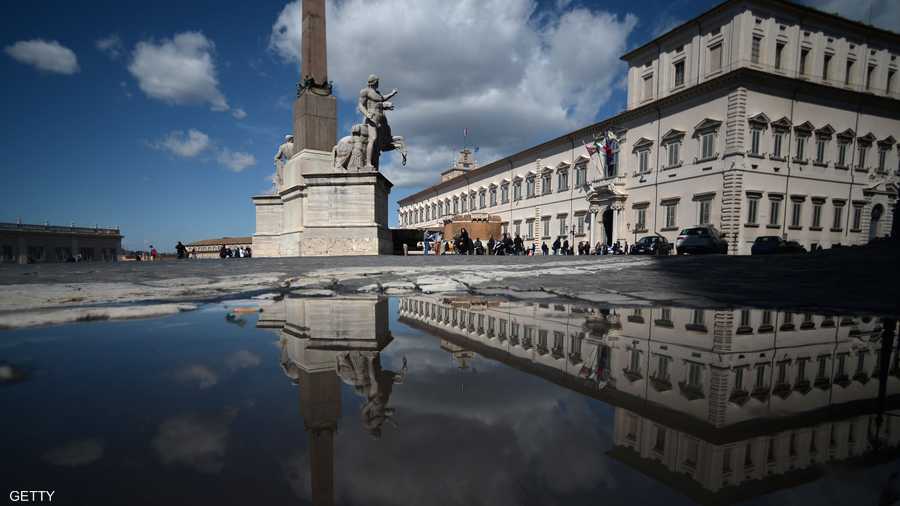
752 210
776 145
672 150
715 58
869 73
671 211
800 148
640 218
817 215
779 51
821 142
427 213
760 377
882 160
579 222
796 211
679 73
804 54
695 375
464 204
482 200
838 216
755 48
825 64
774 211
890 81
580 175
745 318
842 154
504 194
857 217
529 187
518 228
563 227
849 73
707 145
545 183
517 190
529 229
563 180
643 161
660 445
862 150
704 209
493 196
545 227
472 201
648 87
755 136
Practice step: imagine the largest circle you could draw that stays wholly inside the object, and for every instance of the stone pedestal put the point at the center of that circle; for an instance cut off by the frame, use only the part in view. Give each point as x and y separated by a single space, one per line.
315 122
322 212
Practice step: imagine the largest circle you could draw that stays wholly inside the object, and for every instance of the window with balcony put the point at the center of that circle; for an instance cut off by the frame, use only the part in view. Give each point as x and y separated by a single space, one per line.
821 144
755 139
715 58
707 145
779 55
545 183
529 187
673 157
643 161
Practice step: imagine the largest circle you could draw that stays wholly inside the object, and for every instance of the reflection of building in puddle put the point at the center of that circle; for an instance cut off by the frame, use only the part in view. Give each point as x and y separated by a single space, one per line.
720 404
324 342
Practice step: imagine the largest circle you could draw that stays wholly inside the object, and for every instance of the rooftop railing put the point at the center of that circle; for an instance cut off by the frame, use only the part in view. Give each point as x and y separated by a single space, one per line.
25 227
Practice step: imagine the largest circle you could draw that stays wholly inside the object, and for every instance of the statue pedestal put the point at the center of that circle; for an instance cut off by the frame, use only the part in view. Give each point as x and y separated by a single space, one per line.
321 212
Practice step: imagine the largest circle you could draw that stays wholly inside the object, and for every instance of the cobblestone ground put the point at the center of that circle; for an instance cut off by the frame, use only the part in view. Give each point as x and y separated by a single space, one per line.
849 279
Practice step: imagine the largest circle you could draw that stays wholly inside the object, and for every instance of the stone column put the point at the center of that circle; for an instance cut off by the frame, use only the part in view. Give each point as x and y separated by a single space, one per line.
593 212
315 111
615 224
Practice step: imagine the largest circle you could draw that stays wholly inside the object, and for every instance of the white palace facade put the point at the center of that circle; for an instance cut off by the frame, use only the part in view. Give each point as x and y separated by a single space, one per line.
721 404
760 117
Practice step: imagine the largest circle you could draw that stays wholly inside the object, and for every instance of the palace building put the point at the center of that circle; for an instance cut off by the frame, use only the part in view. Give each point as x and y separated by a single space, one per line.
759 117
720 404
32 243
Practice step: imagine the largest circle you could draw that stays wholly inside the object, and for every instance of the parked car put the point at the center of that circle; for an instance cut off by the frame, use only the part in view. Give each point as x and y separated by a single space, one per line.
652 245
775 245
700 239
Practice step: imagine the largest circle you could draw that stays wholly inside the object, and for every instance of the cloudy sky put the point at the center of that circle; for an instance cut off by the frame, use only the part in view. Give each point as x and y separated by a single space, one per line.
163 117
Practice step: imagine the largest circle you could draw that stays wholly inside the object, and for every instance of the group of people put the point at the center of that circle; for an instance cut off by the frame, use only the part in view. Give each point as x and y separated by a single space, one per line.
239 252
462 244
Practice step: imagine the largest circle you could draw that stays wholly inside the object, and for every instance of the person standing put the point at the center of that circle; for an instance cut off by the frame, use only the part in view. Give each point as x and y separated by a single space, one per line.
426 242
565 248
490 245
556 246
154 255
544 249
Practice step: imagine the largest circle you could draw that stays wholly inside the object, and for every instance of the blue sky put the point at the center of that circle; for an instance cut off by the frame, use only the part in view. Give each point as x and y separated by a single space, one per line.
162 117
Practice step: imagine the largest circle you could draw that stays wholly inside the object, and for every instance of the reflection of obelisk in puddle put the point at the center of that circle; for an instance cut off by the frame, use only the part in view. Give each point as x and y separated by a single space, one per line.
313 333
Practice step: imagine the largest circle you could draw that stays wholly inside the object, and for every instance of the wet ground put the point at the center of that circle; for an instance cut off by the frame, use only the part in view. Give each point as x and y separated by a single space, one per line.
454 399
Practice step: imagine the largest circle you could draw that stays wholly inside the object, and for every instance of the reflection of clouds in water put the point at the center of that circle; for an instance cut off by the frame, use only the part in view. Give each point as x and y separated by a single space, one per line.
197 374
197 442
296 472
76 453
242 359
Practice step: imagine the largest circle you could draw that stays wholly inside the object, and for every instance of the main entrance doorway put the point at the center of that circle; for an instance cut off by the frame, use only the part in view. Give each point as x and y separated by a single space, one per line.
607 226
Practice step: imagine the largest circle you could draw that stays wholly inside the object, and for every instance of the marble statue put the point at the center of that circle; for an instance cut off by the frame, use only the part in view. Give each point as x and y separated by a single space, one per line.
362 370
285 152
361 150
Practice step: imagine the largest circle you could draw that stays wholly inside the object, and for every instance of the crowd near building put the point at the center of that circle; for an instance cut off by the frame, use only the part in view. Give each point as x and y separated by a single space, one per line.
759 117
210 248
25 244
722 404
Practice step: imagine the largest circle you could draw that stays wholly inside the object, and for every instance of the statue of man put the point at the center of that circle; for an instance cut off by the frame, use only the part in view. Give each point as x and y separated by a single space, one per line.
285 152
372 108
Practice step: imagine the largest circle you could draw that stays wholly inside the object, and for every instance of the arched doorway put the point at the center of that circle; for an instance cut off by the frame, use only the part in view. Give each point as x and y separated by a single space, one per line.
607 226
875 221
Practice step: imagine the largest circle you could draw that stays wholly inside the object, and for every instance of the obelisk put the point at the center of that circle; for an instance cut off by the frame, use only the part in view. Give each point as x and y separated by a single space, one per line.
315 110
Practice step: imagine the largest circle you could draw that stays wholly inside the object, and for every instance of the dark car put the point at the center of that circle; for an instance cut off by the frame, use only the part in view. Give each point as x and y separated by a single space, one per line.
652 245
775 245
700 239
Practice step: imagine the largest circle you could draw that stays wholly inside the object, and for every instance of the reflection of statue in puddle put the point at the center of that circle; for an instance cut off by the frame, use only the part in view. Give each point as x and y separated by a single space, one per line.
362 370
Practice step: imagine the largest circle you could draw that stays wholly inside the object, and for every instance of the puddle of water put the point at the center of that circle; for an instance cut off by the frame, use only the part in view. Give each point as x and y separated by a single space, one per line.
454 400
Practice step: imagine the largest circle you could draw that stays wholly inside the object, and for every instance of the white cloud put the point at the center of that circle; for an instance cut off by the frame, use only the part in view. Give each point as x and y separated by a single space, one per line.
185 145
511 75
112 46
236 160
178 71
239 113
194 441
49 56
242 359
881 13
197 374
76 453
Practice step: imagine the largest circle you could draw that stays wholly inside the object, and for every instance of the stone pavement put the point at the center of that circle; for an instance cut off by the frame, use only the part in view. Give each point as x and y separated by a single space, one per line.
857 280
